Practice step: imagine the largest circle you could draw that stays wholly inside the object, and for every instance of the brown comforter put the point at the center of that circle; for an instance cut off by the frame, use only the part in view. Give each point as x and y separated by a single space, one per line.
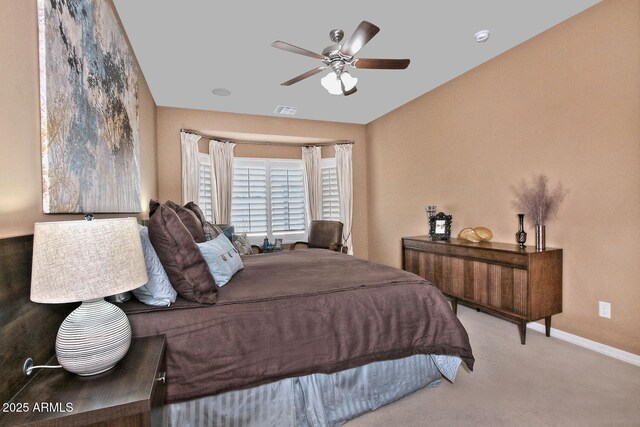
295 313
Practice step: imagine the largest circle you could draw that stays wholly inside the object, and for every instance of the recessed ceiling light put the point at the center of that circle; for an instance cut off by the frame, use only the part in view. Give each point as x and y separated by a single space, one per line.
482 36
221 91
285 110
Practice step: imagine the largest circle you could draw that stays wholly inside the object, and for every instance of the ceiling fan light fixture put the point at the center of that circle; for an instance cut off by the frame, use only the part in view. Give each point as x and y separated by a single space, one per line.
348 81
338 56
331 83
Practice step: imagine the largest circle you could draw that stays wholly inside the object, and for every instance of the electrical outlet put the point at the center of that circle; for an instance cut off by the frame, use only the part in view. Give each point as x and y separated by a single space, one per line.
604 309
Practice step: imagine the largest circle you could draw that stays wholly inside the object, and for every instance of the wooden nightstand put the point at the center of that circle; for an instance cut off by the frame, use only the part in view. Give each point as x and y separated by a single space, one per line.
130 394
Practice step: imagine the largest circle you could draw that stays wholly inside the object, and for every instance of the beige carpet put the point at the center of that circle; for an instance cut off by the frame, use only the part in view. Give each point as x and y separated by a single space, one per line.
547 382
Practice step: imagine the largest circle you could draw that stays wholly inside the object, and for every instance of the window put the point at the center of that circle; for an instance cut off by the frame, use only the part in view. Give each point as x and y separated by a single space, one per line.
330 199
268 199
204 200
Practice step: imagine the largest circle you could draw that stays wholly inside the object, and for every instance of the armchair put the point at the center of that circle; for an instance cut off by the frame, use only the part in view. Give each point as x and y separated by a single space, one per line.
325 235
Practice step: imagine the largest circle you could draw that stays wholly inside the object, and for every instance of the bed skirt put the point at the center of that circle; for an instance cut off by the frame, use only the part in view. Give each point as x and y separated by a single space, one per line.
318 399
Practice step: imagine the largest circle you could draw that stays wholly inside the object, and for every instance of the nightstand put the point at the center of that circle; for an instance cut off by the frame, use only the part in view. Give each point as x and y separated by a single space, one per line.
130 394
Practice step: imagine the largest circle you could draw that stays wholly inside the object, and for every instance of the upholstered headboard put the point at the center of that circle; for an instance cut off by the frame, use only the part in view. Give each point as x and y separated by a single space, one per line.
27 329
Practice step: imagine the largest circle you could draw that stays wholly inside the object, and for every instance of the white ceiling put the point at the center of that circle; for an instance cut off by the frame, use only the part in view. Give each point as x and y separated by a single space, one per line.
187 48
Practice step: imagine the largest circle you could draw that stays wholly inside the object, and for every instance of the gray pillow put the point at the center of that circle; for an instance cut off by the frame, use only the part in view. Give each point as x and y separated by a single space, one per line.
158 290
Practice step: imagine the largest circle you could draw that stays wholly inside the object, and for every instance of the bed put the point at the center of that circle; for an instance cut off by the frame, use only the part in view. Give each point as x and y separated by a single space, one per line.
309 337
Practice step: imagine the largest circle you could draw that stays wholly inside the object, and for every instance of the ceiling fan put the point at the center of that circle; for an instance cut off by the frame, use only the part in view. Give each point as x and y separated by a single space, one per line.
338 56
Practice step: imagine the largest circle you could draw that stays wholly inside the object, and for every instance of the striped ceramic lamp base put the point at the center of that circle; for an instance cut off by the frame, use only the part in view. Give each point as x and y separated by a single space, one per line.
93 338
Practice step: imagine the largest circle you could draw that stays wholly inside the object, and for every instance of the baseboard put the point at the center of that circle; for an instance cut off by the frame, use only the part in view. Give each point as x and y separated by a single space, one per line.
616 353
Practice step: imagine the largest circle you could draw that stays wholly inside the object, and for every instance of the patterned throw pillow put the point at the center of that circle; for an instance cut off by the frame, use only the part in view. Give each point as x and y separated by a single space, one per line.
211 231
242 244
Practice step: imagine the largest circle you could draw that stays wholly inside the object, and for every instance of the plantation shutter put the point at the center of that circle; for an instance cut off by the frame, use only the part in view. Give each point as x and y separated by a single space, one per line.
287 199
204 193
330 201
249 202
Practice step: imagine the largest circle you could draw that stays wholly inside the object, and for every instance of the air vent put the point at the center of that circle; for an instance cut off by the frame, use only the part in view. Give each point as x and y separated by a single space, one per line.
285 110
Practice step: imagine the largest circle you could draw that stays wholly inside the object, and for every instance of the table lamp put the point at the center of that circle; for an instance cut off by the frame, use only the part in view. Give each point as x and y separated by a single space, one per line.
87 261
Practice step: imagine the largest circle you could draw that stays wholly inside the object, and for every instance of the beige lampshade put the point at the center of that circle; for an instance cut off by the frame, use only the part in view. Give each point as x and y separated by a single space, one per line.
83 260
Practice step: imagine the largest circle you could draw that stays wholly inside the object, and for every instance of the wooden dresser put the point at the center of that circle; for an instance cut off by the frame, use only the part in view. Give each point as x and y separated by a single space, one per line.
520 285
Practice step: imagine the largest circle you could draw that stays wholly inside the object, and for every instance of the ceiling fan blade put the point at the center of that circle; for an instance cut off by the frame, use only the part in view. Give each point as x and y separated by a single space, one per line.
385 64
295 49
361 36
302 76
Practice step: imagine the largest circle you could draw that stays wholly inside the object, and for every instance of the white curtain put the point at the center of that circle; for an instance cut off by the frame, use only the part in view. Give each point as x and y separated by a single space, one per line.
221 156
190 167
345 189
312 168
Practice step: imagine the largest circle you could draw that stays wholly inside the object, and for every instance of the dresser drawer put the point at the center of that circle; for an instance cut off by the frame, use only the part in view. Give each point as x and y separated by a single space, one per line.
484 252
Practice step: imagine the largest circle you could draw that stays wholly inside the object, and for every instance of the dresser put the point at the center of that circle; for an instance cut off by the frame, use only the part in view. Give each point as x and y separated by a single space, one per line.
519 285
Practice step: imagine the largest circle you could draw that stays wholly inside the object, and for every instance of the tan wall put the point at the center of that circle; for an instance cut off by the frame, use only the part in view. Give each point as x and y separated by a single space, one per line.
172 120
20 177
566 104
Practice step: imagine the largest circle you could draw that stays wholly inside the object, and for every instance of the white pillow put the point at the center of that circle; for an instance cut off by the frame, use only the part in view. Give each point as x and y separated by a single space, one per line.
158 290
222 258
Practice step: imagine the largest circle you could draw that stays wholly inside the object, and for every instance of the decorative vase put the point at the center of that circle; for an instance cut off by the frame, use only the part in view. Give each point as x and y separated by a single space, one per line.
521 235
540 237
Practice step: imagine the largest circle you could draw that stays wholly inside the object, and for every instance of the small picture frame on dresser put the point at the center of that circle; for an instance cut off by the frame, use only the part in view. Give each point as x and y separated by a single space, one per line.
440 226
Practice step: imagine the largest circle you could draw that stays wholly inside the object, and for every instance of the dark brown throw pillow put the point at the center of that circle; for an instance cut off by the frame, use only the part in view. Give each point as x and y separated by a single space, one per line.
196 210
153 205
210 231
190 220
181 258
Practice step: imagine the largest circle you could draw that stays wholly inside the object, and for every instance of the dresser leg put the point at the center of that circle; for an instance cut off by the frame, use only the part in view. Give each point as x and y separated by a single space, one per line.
547 325
454 305
522 328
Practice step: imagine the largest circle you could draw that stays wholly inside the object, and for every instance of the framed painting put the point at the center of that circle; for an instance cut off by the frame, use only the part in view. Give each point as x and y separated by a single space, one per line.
90 131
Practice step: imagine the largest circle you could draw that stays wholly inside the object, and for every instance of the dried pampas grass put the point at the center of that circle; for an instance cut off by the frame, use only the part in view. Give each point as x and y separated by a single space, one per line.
537 202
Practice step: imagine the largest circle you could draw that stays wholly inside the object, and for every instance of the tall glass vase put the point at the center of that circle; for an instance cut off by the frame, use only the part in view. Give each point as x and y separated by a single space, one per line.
540 237
521 236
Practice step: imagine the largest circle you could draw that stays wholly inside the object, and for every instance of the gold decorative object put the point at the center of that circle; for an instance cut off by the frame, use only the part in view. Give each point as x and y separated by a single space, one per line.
469 234
484 233
478 234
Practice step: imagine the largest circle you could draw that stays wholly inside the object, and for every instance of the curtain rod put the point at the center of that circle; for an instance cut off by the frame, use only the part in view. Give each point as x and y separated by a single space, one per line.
285 144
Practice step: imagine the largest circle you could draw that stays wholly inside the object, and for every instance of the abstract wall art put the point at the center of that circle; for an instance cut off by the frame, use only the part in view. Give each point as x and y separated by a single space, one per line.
90 132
